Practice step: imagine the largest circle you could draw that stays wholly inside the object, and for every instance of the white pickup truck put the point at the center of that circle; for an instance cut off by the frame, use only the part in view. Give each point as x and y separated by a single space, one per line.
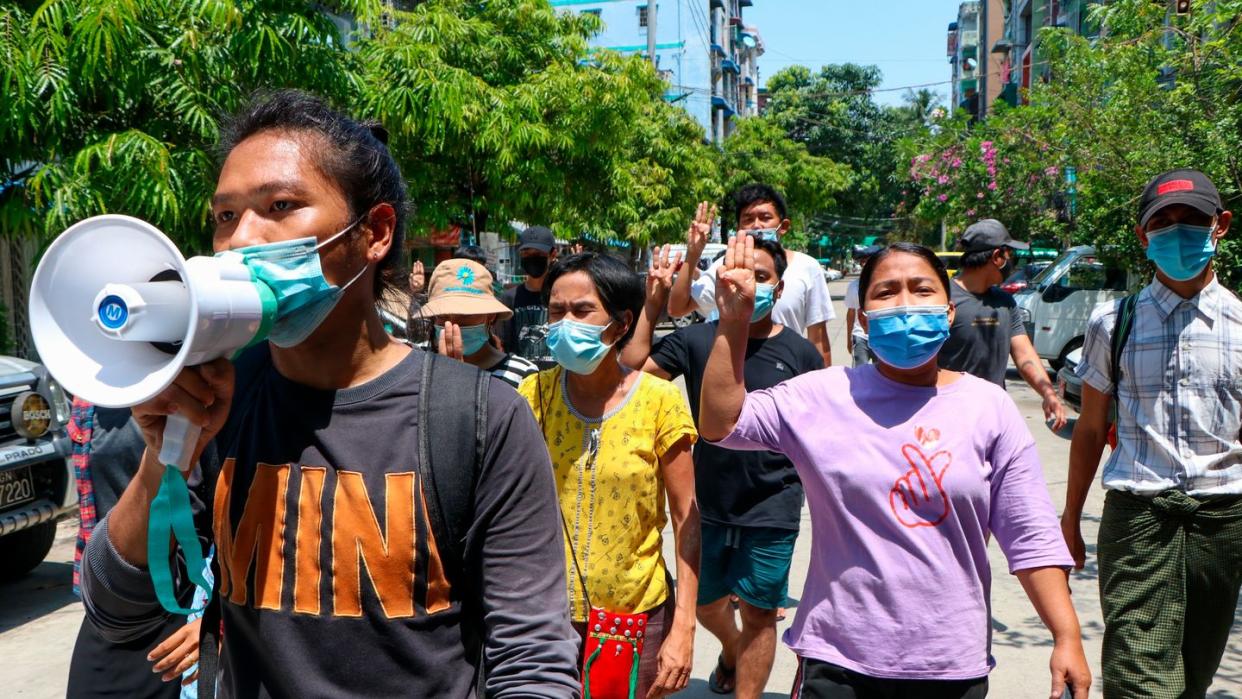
37 486
1058 302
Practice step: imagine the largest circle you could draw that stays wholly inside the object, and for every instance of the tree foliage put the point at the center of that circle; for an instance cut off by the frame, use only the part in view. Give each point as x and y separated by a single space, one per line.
1143 98
498 111
759 151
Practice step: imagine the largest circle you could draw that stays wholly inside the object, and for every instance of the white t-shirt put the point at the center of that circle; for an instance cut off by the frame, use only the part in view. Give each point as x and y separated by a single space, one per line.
803 302
853 303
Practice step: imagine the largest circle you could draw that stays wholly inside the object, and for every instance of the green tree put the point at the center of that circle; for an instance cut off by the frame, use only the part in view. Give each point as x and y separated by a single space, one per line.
760 151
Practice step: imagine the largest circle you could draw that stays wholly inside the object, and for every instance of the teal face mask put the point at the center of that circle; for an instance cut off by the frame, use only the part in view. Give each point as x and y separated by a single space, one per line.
765 297
1181 251
291 269
771 235
473 337
577 346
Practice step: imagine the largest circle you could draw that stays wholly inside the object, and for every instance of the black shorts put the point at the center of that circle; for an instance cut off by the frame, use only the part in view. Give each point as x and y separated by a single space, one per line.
820 680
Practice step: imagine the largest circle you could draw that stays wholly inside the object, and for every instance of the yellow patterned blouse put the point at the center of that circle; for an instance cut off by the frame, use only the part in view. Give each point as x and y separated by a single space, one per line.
611 487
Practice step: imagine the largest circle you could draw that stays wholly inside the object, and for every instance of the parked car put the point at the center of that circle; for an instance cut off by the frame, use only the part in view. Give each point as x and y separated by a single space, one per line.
831 275
1058 302
1069 385
36 475
1021 279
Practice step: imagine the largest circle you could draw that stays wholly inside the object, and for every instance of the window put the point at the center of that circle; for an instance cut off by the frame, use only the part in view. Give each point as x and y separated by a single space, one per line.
595 12
642 16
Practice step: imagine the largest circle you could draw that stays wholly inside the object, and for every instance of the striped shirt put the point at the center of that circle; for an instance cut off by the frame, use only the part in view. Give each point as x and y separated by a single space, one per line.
1179 415
512 369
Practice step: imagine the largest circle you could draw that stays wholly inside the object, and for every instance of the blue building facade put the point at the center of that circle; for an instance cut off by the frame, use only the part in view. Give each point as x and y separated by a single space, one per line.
706 54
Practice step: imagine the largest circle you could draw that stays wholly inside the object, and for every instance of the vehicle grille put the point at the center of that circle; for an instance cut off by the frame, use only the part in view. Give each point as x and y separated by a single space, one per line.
7 430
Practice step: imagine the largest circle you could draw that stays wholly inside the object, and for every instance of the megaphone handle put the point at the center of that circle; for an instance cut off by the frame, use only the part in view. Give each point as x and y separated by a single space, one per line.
180 438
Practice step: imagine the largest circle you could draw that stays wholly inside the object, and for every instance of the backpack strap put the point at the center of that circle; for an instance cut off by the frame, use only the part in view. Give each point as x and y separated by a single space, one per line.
1122 326
448 472
450 468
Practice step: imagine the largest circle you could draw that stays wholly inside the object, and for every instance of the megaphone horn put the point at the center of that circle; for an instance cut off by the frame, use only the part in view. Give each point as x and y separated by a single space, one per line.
116 313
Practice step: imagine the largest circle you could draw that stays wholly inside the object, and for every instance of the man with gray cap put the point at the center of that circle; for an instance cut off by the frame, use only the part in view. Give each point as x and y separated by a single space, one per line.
1170 540
524 333
987 329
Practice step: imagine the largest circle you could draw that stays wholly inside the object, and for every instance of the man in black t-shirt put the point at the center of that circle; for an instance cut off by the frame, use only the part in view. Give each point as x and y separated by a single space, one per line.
524 334
750 501
987 329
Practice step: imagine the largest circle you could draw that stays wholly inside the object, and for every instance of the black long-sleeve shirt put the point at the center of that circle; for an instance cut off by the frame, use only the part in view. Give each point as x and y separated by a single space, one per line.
331 582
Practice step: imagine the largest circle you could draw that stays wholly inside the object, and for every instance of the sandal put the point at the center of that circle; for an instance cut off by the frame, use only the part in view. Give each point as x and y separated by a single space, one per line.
723 679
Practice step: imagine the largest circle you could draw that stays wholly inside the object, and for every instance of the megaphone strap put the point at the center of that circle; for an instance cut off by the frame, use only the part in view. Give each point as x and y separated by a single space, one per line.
170 515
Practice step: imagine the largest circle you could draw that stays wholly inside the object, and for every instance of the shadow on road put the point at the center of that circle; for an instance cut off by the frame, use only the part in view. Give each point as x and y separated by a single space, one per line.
46 589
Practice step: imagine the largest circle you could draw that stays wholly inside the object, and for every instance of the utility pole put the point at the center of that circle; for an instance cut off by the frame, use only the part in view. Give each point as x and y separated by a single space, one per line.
652 6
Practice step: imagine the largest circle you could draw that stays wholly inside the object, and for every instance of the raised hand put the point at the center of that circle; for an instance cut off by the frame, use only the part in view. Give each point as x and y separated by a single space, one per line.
700 229
918 498
664 266
735 281
418 277
449 344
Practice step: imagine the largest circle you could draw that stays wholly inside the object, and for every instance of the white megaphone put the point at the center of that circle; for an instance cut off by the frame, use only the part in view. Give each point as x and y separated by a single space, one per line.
116 313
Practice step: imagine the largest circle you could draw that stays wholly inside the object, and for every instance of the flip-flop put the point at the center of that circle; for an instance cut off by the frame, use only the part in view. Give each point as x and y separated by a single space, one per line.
723 679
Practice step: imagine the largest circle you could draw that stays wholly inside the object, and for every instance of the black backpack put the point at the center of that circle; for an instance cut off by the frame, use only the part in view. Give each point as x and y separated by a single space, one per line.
448 470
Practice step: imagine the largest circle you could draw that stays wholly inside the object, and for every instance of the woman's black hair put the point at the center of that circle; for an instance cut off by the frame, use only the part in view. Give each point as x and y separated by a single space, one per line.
777 251
474 253
864 278
618 287
351 153
756 193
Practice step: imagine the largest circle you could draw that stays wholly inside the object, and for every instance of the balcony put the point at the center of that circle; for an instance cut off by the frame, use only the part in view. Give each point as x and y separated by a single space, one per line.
718 50
728 66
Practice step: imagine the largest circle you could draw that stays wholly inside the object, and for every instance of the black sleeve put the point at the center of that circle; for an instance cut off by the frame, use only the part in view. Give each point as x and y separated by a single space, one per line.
672 352
530 649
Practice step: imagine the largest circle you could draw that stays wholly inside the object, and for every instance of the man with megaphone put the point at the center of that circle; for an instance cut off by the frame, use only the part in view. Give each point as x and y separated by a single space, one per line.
385 523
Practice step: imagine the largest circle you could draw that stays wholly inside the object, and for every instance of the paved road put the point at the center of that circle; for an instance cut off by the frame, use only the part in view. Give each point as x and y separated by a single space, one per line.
39 616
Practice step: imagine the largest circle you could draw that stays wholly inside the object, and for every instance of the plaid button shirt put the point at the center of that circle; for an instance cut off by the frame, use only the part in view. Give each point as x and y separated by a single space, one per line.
1179 407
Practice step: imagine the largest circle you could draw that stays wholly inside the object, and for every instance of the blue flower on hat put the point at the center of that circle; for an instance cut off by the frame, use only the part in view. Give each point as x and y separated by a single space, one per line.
465 275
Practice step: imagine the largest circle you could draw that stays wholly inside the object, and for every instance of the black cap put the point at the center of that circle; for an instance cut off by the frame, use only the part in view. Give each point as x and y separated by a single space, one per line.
862 252
1185 186
537 238
988 234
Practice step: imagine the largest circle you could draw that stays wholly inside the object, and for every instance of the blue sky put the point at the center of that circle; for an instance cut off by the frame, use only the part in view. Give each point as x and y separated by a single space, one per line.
905 38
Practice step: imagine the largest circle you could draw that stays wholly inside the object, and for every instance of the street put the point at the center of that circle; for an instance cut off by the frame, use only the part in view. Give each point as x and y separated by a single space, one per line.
39 617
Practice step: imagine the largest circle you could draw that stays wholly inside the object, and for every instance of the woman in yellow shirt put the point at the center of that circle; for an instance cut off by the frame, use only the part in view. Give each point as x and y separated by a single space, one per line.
620 443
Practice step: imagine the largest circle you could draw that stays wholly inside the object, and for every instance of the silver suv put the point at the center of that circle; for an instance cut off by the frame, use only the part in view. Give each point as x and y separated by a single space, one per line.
36 474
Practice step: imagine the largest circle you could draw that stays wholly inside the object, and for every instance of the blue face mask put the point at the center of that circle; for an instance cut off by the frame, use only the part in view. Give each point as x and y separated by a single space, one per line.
765 297
1181 251
907 337
577 346
290 268
771 235
473 337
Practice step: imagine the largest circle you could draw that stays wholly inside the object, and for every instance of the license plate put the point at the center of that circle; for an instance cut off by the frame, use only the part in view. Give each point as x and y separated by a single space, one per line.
16 486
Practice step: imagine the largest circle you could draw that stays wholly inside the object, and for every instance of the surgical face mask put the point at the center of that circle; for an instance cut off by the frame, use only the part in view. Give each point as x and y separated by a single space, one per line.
1007 268
535 265
765 297
577 346
291 269
907 337
473 337
771 235
1181 251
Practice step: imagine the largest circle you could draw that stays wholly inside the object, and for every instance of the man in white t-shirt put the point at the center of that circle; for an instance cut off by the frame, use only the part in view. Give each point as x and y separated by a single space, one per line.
856 336
804 305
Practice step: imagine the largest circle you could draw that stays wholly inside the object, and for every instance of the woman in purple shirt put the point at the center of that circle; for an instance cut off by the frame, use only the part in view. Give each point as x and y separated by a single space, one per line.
908 470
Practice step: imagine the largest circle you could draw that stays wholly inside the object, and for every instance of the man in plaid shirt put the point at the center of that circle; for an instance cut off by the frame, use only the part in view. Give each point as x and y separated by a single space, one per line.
1170 541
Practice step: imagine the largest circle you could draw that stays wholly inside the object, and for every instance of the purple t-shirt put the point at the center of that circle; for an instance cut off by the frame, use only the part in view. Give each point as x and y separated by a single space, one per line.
905 485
